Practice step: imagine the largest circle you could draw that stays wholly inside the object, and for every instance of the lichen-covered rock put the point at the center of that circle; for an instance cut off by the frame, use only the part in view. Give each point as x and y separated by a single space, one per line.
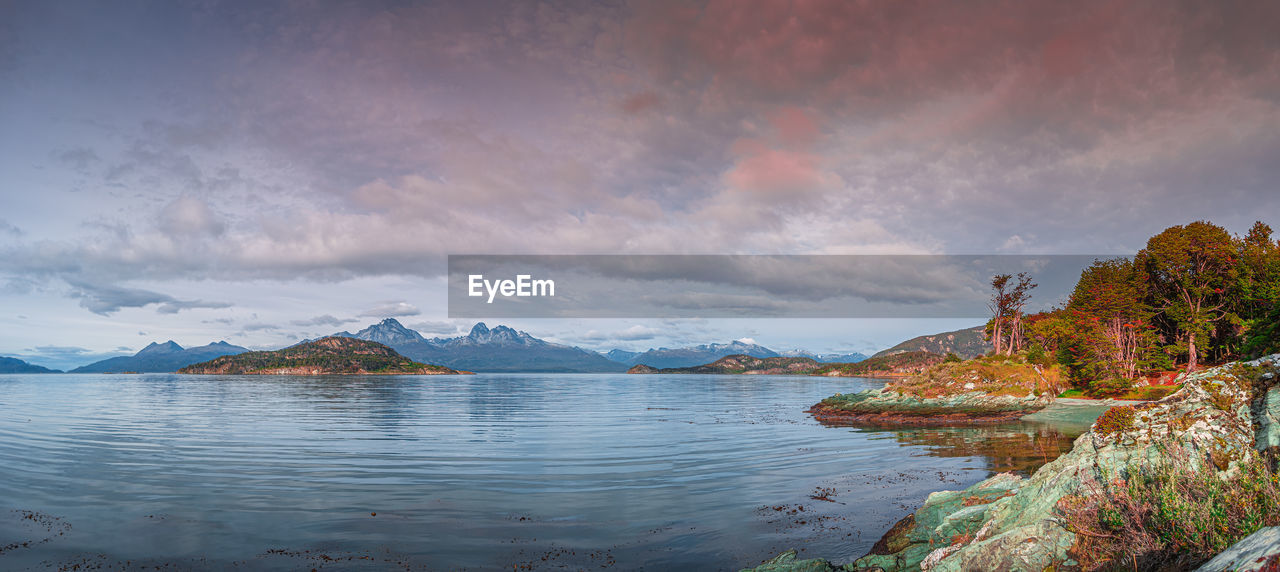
1223 415
889 407
1212 417
1266 411
975 391
787 562
1258 551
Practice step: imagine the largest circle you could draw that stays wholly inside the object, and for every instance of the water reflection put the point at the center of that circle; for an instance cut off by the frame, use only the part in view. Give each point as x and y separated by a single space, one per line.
1020 447
447 472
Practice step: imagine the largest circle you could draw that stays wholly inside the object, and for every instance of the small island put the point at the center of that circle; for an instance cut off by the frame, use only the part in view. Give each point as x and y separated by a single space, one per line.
325 356
991 389
893 365
742 364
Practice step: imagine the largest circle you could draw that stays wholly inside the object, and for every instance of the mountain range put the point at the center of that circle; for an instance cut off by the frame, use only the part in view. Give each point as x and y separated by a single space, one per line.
503 349
14 365
663 358
161 358
500 349
966 343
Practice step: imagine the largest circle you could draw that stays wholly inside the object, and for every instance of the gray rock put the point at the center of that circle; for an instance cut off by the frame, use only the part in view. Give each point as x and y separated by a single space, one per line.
1256 552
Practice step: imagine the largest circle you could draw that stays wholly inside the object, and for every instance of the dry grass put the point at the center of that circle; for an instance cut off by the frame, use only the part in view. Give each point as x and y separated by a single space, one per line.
995 375
1173 516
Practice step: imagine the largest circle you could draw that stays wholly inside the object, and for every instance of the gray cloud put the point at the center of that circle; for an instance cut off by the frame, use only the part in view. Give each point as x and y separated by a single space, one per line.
9 229
105 299
324 142
442 328
325 320
78 158
629 334
391 310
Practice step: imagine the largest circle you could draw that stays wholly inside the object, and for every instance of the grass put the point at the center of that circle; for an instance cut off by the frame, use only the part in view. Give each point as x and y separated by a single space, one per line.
1145 393
1171 516
993 375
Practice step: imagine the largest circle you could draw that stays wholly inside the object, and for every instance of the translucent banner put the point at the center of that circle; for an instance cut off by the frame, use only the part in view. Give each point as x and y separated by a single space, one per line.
747 286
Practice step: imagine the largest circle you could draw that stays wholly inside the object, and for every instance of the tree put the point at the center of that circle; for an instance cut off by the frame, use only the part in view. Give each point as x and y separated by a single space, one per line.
1006 305
1189 270
1111 318
1018 298
999 306
1258 286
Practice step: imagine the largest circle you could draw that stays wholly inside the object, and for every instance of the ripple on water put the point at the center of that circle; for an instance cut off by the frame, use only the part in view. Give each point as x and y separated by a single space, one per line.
485 471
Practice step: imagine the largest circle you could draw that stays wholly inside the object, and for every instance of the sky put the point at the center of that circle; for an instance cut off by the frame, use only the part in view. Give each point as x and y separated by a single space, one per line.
264 172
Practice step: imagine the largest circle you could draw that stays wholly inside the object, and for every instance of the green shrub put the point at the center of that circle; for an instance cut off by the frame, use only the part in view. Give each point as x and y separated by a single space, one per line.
1109 387
1154 392
1116 420
1174 515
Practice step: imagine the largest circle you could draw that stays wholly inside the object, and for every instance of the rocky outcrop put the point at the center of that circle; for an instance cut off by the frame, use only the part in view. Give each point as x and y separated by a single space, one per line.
787 562
741 364
1257 552
887 407
331 355
985 390
891 365
1223 415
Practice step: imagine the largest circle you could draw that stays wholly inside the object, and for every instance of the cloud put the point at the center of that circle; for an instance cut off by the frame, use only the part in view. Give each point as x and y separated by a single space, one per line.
106 300
78 158
331 150
9 229
189 215
631 333
62 351
175 306
764 171
325 320
641 102
445 328
391 310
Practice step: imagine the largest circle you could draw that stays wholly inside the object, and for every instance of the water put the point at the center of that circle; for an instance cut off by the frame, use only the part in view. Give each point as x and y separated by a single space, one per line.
531 471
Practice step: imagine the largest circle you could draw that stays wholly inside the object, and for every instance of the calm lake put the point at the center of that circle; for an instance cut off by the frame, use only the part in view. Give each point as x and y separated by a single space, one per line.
491 471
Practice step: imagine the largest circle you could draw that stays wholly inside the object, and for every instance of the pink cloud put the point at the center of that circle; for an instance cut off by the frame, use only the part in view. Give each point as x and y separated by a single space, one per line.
795 126
765 171
640 102
1096 63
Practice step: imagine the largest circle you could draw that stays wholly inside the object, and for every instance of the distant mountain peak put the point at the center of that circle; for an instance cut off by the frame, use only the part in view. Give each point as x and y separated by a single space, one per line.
157 357
690 356
167 347
15 365
501 348
388 332
482 334
966 343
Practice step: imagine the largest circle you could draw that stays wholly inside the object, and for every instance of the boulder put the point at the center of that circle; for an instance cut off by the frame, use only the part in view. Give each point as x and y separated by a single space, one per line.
1258 551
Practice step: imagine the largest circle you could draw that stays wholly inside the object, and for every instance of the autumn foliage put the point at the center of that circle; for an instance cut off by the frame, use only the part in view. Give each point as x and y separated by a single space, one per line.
1194 294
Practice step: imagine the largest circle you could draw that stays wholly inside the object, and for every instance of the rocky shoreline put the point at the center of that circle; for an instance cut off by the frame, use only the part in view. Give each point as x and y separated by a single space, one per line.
985 390
881 407
1223 418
